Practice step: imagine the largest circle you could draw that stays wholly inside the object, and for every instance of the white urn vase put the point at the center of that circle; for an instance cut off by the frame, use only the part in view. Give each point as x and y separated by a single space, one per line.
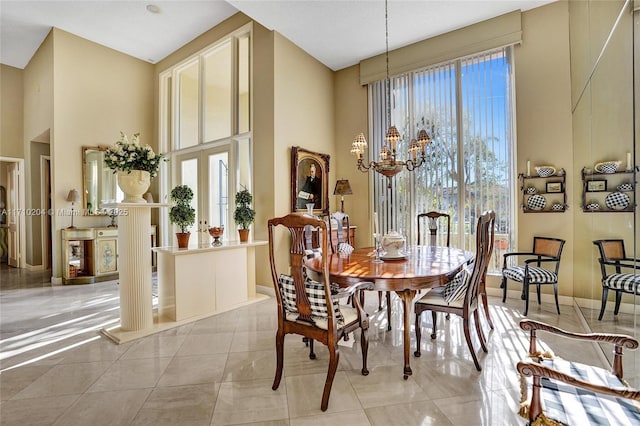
134 185
393 243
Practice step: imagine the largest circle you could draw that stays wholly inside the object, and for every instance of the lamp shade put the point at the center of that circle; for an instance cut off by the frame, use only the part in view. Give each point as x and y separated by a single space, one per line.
73 196
342 187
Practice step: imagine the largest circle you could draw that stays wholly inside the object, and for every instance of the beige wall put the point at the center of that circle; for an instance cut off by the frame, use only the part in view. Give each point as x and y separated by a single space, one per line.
303 116
264 158
38 119
98 92
543 117
11 112
351 118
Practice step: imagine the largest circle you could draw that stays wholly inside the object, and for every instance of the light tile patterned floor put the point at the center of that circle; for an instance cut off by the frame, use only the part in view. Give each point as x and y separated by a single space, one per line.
57 370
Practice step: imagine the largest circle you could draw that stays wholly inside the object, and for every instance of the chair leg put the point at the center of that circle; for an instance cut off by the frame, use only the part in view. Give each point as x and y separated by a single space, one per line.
418 336
525 289
279 359
483 343
467 336
433 317
618 299
388 311
364 346
555 293
605 294
538 291
379 300
312 354
503 286
334 357
485 303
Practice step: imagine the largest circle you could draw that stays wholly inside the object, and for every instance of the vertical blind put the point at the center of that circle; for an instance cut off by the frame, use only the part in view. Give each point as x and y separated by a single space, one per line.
466 106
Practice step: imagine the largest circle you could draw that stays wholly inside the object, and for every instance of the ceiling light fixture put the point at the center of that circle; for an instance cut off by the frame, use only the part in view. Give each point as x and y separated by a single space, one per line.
389 165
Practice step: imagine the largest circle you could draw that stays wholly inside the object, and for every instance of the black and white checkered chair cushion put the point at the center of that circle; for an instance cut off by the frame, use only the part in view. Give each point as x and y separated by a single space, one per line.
456 288
536 275
629 283
288 293
571 405
318 302
315 294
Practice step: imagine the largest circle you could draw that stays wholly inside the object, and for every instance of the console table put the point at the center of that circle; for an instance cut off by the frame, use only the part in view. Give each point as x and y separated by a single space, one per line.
197 282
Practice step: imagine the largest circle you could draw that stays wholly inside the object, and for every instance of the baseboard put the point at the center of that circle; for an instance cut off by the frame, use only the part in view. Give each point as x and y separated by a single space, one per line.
626 308
56 280
34 267
263 289
547 298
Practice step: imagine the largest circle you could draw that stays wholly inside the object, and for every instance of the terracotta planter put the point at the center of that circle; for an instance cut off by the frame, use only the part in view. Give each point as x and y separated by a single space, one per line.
183 239
244 235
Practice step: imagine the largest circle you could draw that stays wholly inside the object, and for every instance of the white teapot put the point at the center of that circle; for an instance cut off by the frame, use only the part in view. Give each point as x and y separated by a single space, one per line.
392 243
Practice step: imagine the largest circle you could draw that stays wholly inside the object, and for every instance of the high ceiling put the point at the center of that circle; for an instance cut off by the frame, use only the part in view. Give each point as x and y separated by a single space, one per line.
339 33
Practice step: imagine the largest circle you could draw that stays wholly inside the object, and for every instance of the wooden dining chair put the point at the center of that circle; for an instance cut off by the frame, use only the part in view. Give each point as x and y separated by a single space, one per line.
433 218
340 222
545 251
619 272
432 224
303 302
460 296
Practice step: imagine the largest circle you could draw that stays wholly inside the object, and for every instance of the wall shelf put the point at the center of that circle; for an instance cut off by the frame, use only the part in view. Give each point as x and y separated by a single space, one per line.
544 199
596 187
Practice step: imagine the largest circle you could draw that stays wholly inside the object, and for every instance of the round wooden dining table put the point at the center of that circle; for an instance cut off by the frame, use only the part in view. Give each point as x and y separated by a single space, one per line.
423 267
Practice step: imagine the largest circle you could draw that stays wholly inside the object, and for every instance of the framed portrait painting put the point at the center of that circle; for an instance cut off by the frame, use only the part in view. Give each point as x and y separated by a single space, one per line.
309 181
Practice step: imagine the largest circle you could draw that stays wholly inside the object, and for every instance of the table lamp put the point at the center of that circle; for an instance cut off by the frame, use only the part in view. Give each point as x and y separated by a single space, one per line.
73 197
342 188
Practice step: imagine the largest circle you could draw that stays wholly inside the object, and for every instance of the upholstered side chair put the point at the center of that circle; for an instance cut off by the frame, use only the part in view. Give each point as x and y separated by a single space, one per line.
619 272
540 268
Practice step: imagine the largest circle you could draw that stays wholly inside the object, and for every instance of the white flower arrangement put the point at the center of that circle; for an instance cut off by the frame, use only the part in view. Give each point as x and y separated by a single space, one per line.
126 156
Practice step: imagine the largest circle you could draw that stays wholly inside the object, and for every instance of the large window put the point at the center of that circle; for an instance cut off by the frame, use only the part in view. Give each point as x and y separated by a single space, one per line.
205 126
466 106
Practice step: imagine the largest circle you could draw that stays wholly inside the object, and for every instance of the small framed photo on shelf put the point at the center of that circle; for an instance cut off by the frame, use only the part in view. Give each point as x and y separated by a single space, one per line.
554 186
596 185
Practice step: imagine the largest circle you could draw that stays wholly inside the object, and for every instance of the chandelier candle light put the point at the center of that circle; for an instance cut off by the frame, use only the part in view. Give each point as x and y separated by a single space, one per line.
389 165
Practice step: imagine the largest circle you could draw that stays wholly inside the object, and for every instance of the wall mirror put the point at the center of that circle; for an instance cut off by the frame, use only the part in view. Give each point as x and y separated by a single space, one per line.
99 182
605 39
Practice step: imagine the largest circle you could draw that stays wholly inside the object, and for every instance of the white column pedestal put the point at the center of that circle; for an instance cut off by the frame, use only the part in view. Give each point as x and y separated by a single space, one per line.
134 266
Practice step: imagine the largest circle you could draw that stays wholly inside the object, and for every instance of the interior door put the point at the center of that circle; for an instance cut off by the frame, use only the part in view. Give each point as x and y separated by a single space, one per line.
206 173
13 221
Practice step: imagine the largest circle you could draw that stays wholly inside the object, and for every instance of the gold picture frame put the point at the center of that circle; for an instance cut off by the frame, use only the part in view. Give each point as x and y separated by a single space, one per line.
309 181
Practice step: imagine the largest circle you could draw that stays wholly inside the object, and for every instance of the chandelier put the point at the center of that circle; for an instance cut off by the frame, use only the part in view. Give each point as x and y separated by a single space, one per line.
389 165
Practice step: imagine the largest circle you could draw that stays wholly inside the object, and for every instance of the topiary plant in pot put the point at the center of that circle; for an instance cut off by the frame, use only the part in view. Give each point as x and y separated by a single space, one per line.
244 215
182 214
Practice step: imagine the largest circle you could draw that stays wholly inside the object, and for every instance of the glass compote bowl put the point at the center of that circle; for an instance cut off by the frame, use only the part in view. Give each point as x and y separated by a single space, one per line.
216 232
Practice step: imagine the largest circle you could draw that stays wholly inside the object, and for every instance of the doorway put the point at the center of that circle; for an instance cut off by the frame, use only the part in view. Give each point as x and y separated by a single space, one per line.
12 234
206 173
45 202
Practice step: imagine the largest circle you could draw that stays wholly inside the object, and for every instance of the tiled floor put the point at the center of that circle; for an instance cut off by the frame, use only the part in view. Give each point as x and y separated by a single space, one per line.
57 370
